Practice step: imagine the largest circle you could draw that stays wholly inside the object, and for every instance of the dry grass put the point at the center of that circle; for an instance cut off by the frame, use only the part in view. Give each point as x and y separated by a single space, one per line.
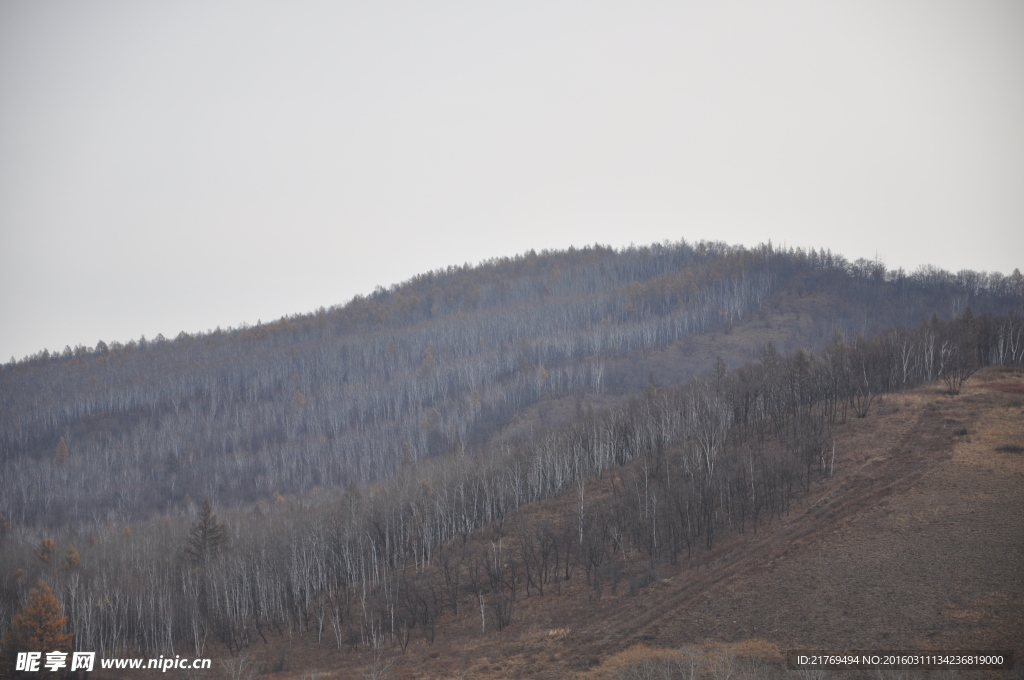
744 660
915 543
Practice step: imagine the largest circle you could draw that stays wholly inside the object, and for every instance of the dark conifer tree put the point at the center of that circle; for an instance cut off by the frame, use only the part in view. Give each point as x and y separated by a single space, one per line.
207 536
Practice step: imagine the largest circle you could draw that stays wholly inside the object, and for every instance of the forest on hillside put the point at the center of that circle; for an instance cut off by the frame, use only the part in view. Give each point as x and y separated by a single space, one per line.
375 566
117 433
352 475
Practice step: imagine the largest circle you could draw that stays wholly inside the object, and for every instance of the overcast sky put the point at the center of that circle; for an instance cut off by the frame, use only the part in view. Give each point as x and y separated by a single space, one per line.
178 166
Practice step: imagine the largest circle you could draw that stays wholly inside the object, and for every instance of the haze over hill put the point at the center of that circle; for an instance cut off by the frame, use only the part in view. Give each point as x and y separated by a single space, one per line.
428 459
436 364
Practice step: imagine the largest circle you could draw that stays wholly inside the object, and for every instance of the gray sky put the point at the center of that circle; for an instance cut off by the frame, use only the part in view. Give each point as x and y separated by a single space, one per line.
182 165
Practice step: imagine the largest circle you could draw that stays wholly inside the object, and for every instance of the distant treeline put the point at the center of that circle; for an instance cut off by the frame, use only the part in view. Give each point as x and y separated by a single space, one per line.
435 365
377 564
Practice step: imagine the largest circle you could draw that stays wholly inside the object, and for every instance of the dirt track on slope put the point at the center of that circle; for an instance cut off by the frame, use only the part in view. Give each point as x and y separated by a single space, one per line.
917 542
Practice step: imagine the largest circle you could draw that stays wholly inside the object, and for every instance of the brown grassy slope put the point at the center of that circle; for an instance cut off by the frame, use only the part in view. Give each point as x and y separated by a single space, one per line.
916 542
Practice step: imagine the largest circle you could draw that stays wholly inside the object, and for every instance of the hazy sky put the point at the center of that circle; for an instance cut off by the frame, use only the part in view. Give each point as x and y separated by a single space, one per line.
177 166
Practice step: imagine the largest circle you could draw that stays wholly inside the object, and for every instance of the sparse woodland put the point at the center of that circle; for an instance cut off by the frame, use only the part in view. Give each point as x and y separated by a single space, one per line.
347 474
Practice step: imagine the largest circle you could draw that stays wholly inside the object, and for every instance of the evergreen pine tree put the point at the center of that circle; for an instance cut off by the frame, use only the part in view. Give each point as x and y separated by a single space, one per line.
206 537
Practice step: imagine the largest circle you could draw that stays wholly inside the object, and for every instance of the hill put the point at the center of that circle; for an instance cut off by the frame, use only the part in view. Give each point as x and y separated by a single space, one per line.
563 454
437 364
